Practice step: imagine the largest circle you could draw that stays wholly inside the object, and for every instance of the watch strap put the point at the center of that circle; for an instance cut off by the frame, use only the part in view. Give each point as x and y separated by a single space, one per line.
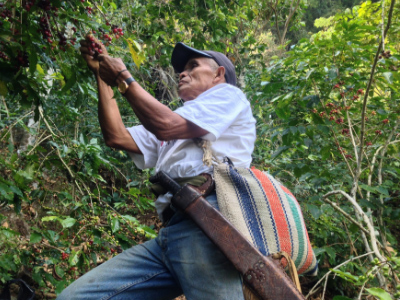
129 80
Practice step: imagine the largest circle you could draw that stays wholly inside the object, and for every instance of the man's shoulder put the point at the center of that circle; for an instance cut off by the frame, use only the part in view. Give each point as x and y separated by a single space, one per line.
223 90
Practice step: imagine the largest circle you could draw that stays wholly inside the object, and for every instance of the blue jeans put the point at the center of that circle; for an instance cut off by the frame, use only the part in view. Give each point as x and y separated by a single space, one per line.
181 260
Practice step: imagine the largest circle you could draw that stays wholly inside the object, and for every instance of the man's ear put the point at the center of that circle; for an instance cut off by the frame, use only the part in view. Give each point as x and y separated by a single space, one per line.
220 75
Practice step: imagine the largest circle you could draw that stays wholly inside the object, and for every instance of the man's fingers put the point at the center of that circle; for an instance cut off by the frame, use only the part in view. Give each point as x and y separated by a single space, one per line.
101 57
86 51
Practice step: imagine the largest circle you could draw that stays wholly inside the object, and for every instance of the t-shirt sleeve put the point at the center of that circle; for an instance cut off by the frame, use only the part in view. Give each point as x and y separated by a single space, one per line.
214 111
148 144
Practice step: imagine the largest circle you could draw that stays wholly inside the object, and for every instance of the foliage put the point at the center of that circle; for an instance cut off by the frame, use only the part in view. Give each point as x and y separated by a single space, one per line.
336 137
81 202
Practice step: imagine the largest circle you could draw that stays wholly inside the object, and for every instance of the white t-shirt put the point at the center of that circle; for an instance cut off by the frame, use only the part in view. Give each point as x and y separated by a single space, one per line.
225 113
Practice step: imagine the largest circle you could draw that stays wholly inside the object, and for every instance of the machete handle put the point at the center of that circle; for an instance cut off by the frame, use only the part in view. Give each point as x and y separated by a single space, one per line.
166 181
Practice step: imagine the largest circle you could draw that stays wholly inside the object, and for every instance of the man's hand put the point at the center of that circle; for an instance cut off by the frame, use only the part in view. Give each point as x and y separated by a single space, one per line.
109 69
90 55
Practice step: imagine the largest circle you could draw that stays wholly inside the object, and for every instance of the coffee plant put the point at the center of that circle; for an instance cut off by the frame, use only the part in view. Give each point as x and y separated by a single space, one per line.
327 113
329 120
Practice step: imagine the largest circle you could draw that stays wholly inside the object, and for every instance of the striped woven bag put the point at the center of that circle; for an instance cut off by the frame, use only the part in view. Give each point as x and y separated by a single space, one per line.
265 212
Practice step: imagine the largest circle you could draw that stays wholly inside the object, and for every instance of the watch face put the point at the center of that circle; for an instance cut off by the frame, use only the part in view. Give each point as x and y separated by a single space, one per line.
122 87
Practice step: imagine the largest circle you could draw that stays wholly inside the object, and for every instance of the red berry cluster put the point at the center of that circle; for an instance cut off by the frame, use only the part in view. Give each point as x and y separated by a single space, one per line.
339 121
63 39
22 59
96 47
330 104
4 56
5 13
385 54
28 4
45 29
107 38
89 10
64 256
385 121
334 111
45 4
117 31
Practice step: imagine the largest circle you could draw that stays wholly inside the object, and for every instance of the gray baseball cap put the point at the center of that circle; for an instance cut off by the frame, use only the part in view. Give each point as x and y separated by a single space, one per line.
182 53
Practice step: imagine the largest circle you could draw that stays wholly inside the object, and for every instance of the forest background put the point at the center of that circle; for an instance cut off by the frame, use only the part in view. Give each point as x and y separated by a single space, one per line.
322 78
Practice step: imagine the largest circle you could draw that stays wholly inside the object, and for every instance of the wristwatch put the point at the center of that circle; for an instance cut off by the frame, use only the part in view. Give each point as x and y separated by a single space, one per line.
123 85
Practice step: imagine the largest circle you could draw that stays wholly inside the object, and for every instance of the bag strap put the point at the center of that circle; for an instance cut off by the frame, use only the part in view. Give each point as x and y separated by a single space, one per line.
291 267
209 158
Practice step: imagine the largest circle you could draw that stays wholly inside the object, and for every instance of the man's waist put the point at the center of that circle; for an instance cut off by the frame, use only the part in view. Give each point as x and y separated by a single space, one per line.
202 182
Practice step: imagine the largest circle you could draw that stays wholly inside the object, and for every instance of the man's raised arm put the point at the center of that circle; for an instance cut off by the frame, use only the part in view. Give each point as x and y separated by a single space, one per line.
113 129
155 116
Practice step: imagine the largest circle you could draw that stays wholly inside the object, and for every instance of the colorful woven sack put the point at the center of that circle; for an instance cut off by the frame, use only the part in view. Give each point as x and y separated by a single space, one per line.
265 212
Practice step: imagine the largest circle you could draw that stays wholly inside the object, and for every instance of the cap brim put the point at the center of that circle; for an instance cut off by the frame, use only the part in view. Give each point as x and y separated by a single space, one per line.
181 55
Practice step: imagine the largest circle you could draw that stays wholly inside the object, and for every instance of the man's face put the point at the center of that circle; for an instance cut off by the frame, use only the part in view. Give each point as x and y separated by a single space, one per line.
197 77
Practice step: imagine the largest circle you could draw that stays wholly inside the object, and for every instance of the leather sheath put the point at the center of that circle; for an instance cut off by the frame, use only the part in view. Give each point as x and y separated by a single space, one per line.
260 273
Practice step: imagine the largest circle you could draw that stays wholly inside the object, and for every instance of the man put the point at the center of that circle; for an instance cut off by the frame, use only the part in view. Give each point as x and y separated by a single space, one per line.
181 260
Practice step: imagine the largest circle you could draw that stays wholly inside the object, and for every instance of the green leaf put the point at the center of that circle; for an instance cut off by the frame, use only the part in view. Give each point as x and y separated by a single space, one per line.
147 231
35 238
61 286
388 77
129 218
346 276
382 190
114 225
313 157
16 190
279 151
70 83
3 88
314 210
60 272
341 298
368 188
5 192
17 204
8 233
68 222
379 293
32 62
74 257
49 218
51 236
93 256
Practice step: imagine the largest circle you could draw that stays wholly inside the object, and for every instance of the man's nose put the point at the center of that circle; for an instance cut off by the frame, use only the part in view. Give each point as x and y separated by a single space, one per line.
182 75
